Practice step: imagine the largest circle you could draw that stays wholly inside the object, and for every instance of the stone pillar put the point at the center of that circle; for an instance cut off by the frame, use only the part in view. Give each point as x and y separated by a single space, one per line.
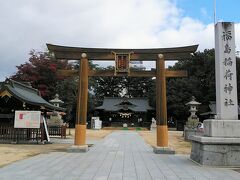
220 145
161 108
81 114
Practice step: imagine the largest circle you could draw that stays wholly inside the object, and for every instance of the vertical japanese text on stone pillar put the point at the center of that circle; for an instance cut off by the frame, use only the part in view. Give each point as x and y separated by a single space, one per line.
225 67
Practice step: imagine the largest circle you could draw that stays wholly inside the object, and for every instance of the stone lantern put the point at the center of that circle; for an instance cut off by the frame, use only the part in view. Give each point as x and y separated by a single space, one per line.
193 121
55 119
56 101
193 104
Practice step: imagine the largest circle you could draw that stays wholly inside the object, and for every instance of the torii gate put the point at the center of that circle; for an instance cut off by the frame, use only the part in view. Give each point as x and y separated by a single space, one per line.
122 58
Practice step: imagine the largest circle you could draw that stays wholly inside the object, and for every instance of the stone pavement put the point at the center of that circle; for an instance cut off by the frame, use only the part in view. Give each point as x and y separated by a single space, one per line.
121 155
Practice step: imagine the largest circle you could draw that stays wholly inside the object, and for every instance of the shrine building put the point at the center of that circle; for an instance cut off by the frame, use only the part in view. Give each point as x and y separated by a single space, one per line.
20 96
116 111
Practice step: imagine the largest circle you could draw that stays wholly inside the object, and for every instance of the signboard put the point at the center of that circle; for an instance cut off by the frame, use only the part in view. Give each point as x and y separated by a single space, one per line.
27 119
96 123
225 67
122 62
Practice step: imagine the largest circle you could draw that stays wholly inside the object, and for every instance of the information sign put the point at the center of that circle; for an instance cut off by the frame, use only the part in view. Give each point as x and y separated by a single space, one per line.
27 119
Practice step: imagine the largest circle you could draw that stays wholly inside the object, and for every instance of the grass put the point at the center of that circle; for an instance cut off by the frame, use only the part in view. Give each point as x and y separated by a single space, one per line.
137 128
126 128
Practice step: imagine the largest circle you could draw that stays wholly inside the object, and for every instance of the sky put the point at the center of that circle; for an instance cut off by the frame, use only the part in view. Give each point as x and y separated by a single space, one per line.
28 24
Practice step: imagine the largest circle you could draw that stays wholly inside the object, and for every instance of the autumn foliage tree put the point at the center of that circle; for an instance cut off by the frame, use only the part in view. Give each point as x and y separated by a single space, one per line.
41 72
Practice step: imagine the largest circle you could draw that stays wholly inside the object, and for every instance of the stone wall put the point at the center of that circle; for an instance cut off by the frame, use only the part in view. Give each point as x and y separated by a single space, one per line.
215 155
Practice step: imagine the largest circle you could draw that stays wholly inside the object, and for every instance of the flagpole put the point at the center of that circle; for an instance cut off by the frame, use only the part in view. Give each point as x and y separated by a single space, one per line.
214 13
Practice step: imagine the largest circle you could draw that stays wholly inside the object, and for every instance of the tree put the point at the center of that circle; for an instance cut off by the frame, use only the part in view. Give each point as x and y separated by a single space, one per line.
67 89
121 86
199 83
41 72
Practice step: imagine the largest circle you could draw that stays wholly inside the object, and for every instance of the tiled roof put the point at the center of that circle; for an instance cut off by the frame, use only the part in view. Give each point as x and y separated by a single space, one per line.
26 94
119 103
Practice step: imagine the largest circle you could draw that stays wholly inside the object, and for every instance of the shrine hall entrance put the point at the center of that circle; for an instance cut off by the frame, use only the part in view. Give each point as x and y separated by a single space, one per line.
125 112
122 58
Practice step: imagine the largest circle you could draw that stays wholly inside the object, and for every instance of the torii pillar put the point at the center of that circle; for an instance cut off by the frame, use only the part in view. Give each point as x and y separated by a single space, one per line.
161 108
81 114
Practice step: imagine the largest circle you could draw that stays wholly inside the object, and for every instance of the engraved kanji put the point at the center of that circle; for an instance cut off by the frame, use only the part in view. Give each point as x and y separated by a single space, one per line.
228 88
227 35
228 61
228 102
228 74
227 49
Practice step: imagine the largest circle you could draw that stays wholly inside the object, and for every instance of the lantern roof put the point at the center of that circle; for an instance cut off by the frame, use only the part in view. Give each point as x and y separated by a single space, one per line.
193 102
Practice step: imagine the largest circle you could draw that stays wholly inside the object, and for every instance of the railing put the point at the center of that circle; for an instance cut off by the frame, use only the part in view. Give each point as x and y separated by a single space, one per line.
58 131
19 135
9 134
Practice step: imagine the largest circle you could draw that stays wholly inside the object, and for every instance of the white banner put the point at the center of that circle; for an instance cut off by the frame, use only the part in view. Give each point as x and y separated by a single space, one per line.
225 68
27 119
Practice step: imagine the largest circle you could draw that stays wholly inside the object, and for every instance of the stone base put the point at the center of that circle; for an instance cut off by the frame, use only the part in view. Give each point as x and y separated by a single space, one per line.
221 128
78 149
153 129
191 132
163 150
216 151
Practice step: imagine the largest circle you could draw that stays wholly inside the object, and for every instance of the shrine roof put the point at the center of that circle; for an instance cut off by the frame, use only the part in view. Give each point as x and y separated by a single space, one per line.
112 104
74 53
27 94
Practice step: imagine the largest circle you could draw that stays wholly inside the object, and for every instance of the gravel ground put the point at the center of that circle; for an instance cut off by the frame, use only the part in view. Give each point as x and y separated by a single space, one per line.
176 141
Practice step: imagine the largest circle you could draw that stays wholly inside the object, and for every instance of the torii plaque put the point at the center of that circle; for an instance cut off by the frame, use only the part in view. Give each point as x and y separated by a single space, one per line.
122 58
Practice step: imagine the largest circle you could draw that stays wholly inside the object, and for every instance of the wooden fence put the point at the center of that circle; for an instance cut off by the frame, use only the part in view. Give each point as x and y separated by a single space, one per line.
58 131
19 135
9 134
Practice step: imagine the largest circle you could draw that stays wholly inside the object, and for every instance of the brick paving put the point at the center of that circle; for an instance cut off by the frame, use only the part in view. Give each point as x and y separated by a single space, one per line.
122 155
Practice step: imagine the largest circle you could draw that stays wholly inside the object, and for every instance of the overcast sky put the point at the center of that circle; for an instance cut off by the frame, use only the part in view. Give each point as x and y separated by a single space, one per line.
30 24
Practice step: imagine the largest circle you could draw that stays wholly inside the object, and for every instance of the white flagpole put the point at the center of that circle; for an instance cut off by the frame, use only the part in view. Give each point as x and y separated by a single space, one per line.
214 13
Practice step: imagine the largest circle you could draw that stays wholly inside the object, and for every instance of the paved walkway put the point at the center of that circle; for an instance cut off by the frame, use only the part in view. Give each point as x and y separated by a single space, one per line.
121 155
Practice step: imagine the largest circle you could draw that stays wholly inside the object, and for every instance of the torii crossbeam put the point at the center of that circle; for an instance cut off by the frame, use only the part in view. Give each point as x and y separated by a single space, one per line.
160 55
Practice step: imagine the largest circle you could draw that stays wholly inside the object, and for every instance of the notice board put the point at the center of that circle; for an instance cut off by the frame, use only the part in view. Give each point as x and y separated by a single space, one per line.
27 119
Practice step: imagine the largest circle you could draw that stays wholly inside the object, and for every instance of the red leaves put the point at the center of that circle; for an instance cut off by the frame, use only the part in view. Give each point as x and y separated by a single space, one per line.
53 67
43 88
41 71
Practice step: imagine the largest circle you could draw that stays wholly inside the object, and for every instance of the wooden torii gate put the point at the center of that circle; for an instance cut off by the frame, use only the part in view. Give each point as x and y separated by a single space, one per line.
122 58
